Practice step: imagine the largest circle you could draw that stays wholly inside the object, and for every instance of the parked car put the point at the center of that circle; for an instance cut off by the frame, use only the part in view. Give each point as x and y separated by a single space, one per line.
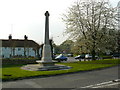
53 57
85 57
61 57
116 55
80 57
88 56
70 55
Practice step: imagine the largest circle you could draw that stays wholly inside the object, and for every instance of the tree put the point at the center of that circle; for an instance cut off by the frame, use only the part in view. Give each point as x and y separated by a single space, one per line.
90 22
65 47
56 49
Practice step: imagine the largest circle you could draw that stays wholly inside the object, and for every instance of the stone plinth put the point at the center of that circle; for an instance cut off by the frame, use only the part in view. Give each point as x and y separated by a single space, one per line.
43 63
46 54
39 67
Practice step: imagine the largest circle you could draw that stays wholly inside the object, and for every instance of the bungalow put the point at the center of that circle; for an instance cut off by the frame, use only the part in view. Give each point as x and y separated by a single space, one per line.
15 48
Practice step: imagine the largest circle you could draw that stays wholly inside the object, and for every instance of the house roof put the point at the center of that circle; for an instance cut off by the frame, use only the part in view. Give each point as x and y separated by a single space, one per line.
19 43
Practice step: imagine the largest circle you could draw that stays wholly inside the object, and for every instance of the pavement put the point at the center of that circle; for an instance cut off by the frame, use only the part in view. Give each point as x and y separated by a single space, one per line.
73 81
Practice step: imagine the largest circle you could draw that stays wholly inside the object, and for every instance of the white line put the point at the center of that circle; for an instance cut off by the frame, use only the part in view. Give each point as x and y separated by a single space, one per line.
106 85
87 86
101 84
97 84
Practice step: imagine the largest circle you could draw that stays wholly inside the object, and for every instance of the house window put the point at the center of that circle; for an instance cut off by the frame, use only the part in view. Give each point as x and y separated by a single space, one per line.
19 49
2 56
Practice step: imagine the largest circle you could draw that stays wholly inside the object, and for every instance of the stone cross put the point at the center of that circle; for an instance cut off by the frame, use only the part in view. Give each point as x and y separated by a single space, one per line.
46 53
47 28
46 62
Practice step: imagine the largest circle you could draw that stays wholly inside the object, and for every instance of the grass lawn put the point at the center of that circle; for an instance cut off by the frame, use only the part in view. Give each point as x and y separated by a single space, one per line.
12 72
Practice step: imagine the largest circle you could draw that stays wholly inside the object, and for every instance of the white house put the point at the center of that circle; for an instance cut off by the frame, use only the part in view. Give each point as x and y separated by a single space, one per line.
14 48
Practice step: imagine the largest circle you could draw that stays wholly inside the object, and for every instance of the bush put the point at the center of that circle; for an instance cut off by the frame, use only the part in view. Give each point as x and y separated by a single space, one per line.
106 57
19 61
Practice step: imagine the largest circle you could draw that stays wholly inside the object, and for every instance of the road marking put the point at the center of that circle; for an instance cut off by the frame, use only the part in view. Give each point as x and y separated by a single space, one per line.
97 84
104 84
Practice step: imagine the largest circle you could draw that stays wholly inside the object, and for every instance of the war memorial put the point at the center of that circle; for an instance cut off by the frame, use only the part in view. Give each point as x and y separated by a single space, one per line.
46 62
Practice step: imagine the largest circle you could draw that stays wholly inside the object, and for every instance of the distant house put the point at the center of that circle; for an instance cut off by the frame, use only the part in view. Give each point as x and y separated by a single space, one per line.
15 48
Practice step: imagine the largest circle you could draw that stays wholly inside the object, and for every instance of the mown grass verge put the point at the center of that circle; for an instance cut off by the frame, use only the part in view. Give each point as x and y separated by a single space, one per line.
13 72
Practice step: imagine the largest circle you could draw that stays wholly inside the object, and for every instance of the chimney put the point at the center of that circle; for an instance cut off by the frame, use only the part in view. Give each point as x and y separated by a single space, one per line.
10 37
25 37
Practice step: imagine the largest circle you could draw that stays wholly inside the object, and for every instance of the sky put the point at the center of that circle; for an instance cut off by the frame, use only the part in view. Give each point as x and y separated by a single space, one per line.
26 17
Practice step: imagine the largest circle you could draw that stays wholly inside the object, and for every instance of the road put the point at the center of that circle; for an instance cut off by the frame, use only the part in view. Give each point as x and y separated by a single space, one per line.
76 80
72 59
